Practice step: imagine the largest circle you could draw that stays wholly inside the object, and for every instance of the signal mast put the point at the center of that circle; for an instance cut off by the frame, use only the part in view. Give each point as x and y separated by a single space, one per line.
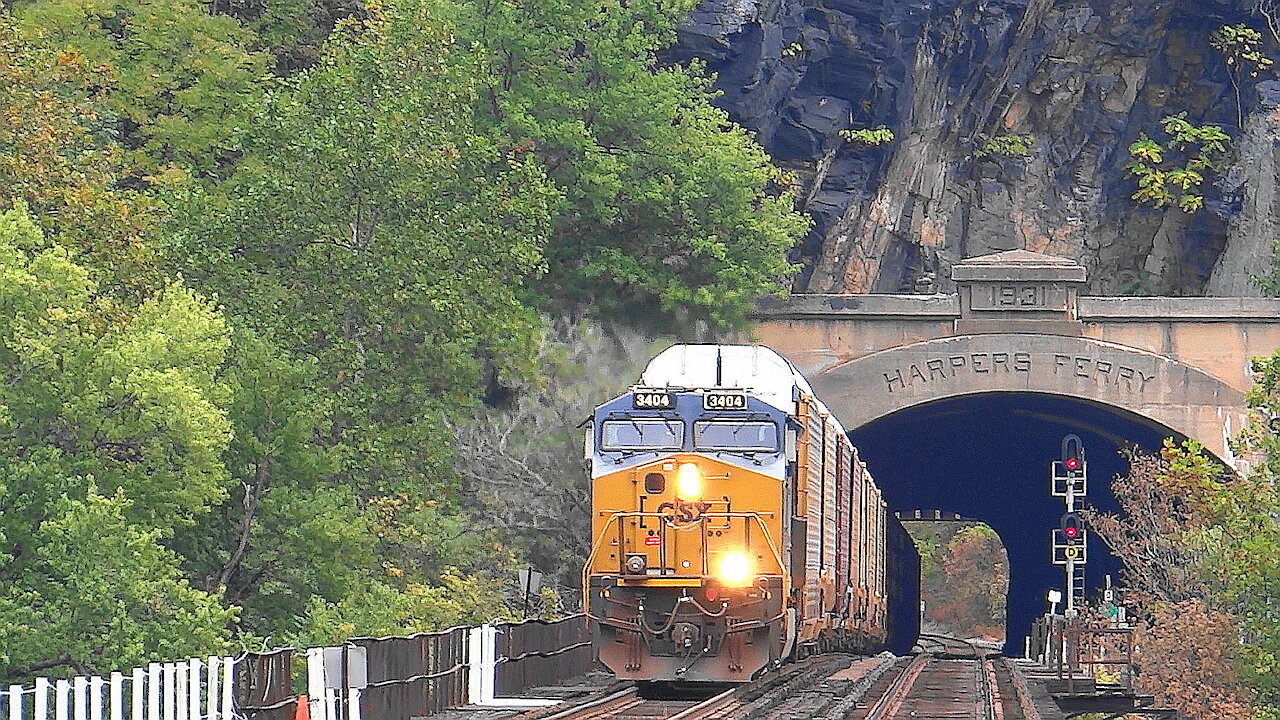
1070 481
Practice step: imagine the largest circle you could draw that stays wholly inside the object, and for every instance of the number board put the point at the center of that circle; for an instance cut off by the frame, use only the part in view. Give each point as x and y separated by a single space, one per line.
724 401
652 400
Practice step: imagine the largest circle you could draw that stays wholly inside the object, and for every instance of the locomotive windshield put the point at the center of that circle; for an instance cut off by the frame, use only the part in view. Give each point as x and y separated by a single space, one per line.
749 435
642 434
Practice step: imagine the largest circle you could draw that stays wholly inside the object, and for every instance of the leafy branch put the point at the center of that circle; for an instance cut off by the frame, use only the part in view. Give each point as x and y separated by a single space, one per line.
1173 172
867 137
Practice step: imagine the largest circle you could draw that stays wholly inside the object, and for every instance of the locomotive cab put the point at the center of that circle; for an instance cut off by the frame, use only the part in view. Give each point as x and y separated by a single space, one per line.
685 580
733 525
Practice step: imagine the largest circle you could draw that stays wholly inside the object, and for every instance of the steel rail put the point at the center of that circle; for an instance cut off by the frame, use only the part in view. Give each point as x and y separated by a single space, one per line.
708 706
626 697
891 701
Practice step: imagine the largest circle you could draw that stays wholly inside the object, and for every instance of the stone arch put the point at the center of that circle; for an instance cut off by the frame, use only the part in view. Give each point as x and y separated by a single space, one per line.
1159 388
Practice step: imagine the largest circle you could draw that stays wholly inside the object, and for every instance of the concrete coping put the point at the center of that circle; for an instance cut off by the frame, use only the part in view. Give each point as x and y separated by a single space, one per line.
945 307
1018 266
877 305
1178 308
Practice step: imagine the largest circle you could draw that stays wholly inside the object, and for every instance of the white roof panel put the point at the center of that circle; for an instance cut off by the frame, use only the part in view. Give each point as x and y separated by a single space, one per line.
759 369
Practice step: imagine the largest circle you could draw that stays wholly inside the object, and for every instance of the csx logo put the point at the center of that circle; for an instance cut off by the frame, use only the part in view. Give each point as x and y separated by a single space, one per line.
724 401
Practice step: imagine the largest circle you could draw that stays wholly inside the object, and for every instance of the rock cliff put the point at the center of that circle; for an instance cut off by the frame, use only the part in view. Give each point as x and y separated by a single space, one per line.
1081 78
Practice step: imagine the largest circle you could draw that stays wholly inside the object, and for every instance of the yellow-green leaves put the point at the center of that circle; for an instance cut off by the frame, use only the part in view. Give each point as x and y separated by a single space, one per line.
1173 173
111 435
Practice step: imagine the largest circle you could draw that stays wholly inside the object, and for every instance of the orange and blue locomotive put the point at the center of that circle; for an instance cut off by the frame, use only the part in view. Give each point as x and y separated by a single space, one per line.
734 526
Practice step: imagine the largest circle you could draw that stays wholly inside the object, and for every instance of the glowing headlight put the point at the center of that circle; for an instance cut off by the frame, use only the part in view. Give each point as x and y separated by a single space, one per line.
735 569
689 482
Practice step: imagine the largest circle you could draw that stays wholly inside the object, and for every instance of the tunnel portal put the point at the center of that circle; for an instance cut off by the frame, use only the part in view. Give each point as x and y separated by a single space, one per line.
987 456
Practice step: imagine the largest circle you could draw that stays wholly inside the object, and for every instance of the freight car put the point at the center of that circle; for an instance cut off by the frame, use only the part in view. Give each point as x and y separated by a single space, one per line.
734 525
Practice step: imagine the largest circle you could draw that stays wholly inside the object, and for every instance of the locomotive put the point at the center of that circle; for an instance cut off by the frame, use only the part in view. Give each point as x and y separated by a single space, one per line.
734 525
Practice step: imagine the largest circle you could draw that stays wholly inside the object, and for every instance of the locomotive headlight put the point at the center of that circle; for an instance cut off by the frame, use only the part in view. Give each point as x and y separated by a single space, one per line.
735 569
689 481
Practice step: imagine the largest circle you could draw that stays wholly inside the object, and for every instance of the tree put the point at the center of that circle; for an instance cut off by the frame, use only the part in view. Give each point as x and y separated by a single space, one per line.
54 162
671 209
372 246
110 436
181 82
1241 48
1201 547
1173 173
522 463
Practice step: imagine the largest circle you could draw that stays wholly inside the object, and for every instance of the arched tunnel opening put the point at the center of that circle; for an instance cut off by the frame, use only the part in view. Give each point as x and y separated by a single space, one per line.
987 457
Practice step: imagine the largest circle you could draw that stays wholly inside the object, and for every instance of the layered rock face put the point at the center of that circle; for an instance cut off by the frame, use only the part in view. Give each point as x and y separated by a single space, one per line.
1081 78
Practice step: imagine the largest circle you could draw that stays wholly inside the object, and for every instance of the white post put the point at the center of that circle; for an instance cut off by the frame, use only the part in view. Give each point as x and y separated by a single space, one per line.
211 704
15 702
62 700
180 704
169 698
353 704
193 688
315 684
331 703
490 661
42 699
475 640
154 694
228 686
96 697
137 694
80 692
117 696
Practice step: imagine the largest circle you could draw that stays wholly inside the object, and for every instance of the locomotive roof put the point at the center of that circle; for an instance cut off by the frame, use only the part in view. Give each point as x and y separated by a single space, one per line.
756 368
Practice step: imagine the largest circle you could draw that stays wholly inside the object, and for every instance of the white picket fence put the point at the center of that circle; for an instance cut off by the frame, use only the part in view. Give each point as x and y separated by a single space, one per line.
196 689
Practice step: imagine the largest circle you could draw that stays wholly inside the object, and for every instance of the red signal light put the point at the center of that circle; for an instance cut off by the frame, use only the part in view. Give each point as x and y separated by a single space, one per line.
1071 531
1072 463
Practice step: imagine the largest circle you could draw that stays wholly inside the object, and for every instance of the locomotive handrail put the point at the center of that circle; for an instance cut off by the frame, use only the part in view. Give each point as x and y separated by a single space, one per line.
617 517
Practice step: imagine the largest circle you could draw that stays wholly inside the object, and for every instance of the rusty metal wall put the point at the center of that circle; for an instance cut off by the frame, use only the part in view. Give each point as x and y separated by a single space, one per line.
426 673
414 675
536 653
264 685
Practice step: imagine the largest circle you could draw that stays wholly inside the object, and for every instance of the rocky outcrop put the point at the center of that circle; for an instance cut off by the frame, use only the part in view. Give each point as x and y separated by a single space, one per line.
1081 78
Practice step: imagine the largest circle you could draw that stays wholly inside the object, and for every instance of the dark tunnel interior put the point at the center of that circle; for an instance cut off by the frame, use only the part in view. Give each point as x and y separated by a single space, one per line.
987 457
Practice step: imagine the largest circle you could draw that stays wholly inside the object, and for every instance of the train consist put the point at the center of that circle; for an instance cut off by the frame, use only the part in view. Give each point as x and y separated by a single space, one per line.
734 525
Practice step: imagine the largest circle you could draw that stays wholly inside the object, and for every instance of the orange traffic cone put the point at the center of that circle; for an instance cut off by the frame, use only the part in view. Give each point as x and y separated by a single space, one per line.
303 711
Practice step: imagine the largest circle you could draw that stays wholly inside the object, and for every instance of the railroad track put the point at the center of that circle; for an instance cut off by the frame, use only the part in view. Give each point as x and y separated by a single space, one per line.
836 687
948 683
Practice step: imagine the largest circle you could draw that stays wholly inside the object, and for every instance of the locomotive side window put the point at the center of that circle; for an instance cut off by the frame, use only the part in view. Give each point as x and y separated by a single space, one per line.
753 436
641 434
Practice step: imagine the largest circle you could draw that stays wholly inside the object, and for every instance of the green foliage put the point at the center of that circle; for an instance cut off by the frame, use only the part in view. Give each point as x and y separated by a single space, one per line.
53 160
179 81
867 137
1172 173
135 409
1241 47
372 244
671 211
380 228
380 610
1014 146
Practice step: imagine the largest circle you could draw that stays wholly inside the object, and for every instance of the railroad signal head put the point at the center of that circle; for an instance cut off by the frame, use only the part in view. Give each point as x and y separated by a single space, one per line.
1071 526
1073 455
